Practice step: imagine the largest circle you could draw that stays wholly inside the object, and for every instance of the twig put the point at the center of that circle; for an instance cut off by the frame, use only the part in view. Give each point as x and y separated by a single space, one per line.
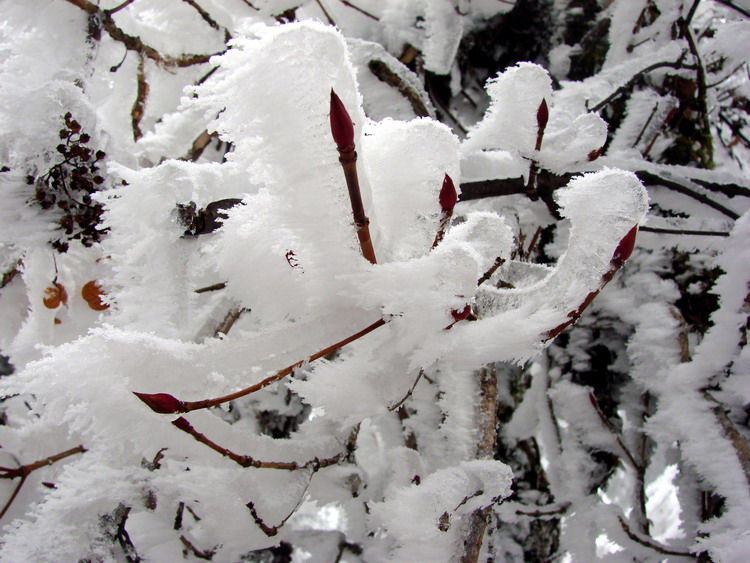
226 325
645 125
342 129
408 393
633 79
542 117
136 113
653 179
199 145
10 274
532 244
701 76
248 461
325 12
734 6
488 274
383 73
134 43
273 530
447 198
164 403
684 232
543 511
25 470
739 443
247 2
735 129
203 14
650 542
214 287
200 554
636 465
119 7
360 10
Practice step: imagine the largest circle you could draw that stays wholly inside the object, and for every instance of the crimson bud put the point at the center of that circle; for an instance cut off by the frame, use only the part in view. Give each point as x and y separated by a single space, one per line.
163 403
448 195
341 124
625 247
182 424
462 314
542 114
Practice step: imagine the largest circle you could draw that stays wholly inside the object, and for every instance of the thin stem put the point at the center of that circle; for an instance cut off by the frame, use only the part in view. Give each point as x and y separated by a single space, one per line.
325 12
488 274
684 232
408 393
273 530
136 113
188 406
636 465
360 10
119 7
650 542
13 496
214 287
734 6
634 79
348 160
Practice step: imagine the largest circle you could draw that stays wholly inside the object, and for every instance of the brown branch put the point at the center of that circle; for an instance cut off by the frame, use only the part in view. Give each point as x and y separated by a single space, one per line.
198 146
25 470
226 325
649 542
487 422
633 79
655 180
488 274
360 10
683 232
544 511
203 14
248 461
207 555
136 113
271 531
134 43
164 403
734 6
616 435
119 7
214 287
383 73
739 443
408 393
701 79
10 274
325 12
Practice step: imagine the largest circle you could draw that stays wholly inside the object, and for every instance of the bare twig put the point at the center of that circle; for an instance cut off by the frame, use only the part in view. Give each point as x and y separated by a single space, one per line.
684 232
214 287
734 6
394 406
199 145
488 274
544 511
616 435
226 325
325 12
133 43
273 530
739 443
136 113
10 274
25 470
633 79
654 180
248 461
650 542
203 13
701 79
360 10
166 404
383 73
119 7
207 555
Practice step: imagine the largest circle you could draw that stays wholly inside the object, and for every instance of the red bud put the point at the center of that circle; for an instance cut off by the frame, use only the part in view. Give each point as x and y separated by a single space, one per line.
625 247
182 424
542 114
341 124
163 403
596 153
462 314
448 195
